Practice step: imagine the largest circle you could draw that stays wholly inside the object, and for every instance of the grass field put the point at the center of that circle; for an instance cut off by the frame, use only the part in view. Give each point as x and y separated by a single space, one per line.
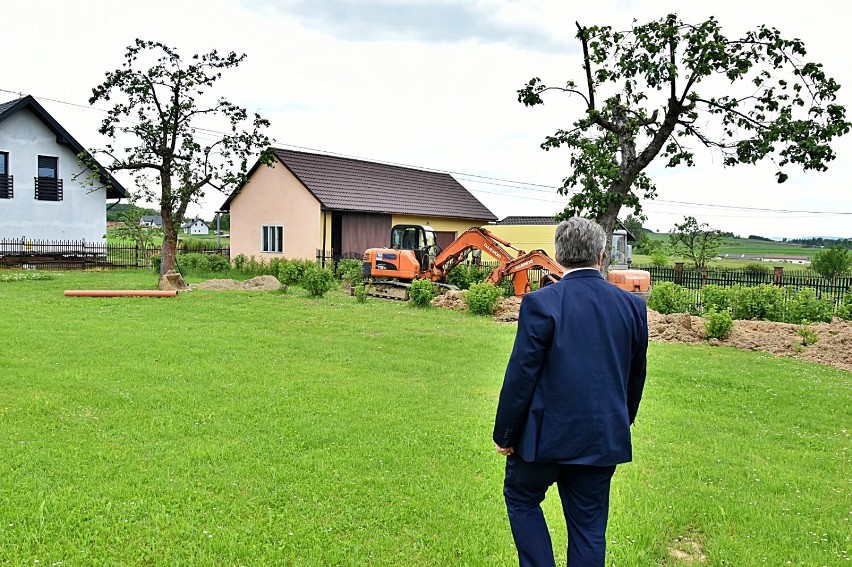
258 428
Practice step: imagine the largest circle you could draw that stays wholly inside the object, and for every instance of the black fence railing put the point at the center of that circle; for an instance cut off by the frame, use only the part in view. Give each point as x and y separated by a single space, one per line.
7 186
48 189
694 280
79 254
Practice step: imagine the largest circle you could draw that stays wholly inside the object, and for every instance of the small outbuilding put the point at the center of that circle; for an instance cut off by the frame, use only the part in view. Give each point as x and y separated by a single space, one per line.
321 206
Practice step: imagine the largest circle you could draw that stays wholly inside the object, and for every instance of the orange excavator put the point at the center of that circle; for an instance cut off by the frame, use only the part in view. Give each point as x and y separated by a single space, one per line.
414 253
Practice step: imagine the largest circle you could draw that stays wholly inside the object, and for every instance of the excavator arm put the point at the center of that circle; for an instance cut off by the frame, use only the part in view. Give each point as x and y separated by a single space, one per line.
519 268
473 238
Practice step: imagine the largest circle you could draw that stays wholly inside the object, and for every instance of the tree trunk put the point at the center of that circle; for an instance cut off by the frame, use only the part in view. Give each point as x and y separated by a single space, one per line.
168 253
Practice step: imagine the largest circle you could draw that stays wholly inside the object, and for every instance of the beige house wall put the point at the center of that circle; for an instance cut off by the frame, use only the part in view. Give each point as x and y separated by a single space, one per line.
527 237
273 196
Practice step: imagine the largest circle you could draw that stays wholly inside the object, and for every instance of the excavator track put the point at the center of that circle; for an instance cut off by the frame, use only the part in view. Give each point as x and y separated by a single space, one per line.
399 290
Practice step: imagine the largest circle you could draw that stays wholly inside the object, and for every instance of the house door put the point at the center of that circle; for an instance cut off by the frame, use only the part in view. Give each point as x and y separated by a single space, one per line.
358 232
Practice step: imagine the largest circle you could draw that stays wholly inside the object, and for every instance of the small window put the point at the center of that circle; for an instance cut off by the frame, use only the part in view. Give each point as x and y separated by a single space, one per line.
272 239
5 179
48 186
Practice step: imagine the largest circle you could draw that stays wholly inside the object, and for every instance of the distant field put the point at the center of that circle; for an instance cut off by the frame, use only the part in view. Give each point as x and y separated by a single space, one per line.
742 246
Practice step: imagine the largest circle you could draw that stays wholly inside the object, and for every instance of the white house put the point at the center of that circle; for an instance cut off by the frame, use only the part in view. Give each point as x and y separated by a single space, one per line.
195 226
44 192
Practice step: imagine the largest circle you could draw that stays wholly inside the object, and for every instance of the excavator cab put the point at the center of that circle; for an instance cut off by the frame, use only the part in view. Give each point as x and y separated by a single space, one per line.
417 238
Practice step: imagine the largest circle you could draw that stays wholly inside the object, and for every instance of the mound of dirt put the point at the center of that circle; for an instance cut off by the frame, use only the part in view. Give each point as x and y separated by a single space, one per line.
259 283
452 300
833 346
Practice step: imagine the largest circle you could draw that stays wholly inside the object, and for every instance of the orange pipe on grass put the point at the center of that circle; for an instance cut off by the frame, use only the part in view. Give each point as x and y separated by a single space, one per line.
119 293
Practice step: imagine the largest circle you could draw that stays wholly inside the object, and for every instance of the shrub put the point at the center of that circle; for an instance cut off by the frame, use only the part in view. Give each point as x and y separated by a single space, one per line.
317 280
421 292
465 275
717 298
845 309
348 269
197 263
290 273
156 262
809 336
805 307
361 293
659 258
763 301
481 299
204 263
240 262
668 297
718 324
756 269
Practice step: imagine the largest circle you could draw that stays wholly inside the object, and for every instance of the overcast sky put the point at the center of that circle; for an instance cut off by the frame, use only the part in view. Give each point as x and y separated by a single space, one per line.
432 84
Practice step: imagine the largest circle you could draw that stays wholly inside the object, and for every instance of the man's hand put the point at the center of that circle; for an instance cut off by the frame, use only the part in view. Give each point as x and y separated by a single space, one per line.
505 451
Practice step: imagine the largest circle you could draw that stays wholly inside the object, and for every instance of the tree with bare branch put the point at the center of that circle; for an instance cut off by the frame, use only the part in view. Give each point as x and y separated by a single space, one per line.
156 134
651 91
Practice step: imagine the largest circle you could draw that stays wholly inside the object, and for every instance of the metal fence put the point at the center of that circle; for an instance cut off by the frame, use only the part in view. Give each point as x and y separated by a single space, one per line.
81 255
694 280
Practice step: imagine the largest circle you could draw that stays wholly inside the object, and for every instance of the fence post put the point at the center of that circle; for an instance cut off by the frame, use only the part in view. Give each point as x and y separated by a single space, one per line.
778 276
678 275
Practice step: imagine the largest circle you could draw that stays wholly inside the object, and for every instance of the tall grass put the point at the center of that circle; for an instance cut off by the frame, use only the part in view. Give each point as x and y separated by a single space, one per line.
258 428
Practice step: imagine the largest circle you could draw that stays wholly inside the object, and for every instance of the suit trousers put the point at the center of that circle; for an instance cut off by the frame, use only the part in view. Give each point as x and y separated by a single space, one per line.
584 491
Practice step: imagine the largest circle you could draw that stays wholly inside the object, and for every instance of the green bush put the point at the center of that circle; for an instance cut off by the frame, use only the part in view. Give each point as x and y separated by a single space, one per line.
809 336
197 263
718 324
762 302
717 298
668 297
290 273
421 292
348 269
659 257
756 269
361 293
804 307
204 263
465 275
481 299
845 309
317 280
156 262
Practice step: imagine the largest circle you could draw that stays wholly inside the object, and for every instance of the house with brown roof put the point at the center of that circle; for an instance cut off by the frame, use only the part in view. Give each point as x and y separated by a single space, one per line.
309 205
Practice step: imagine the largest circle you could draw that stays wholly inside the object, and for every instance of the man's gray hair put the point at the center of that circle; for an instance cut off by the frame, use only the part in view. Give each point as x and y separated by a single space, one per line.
579 242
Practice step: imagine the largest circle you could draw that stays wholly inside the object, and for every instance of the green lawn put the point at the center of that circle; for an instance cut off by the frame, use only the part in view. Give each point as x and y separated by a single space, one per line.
258 428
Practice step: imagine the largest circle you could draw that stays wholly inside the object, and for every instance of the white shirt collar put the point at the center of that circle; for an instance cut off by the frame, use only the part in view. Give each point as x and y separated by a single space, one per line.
566 272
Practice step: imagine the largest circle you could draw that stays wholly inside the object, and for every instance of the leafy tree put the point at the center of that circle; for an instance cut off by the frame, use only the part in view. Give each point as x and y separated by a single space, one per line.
633 224
161 103
697 243
832 262
650 91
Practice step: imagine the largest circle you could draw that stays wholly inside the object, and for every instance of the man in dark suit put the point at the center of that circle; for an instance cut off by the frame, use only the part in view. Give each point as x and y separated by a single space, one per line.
570 394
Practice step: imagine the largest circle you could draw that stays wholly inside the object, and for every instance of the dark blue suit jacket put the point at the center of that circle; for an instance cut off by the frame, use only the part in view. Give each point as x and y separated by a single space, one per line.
575 378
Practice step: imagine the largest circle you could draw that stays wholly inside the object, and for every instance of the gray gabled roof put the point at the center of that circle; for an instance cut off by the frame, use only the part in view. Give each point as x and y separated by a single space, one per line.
346 184
519 220
114 189
527 220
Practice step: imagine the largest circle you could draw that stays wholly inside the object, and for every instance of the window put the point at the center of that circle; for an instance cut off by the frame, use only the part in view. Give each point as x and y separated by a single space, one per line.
5 178
48 186
272 239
